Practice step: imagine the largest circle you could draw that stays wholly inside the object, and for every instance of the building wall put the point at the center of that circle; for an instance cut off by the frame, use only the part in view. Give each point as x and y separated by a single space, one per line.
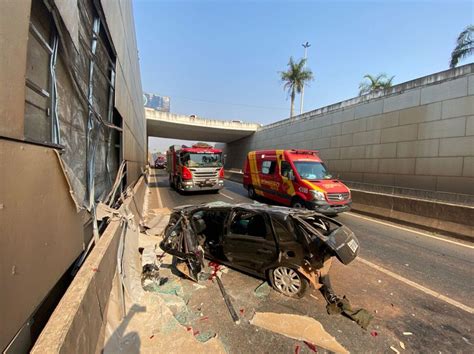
129 94
44 224
419 134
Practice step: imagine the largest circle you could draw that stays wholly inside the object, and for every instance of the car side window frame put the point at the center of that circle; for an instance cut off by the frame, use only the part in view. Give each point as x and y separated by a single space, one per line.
291 238
268 232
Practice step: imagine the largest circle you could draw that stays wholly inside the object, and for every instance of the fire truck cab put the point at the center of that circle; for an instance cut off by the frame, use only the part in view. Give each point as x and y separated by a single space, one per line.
296 178
196 168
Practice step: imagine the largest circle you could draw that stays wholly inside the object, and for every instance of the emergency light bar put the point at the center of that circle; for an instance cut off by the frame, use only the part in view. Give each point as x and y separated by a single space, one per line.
305 152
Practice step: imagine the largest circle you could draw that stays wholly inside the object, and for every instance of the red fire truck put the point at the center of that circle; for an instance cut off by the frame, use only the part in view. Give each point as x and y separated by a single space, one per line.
195 168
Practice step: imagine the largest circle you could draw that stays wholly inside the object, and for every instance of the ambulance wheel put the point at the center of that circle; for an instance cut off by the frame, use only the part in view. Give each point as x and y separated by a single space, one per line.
297 203
251 192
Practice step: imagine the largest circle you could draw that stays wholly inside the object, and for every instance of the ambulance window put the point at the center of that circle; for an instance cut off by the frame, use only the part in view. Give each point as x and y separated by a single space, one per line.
285 168
268 167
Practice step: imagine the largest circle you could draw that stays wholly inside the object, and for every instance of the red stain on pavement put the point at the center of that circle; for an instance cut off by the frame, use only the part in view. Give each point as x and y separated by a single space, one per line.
311 346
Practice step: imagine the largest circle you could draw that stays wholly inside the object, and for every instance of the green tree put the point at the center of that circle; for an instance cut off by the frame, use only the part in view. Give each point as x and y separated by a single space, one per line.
464 46
294 79
375 83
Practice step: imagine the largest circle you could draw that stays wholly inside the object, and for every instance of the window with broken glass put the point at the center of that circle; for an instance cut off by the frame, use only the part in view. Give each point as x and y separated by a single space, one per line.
41 119
97 59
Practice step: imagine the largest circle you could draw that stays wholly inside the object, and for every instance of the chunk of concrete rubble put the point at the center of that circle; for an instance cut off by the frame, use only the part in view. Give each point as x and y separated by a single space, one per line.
298 327
149 255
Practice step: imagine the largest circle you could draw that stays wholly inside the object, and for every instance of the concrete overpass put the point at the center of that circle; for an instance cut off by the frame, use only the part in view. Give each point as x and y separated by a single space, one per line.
176 126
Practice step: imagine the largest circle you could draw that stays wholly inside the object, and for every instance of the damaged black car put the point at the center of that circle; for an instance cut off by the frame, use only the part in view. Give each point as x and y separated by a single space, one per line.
291 248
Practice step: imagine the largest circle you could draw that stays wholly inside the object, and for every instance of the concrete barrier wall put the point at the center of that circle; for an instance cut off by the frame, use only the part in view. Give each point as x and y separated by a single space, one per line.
76 325
417 135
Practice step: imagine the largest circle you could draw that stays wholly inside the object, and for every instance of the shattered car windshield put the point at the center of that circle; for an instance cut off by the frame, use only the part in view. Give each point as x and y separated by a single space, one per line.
201 160
311 170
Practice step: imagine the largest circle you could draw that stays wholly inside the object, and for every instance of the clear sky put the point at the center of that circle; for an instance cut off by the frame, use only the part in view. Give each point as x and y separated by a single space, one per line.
220 59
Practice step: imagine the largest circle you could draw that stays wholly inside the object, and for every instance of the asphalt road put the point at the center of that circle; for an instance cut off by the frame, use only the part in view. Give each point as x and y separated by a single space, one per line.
411 280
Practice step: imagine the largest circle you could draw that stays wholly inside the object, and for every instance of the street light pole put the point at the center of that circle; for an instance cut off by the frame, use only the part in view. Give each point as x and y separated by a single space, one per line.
305 46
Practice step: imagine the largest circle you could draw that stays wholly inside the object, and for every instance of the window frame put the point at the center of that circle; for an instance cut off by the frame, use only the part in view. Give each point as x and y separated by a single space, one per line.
271 168
51 48
231 234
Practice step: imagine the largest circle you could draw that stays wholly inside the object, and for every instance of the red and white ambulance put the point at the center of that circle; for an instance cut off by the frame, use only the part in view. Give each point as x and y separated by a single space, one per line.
296 178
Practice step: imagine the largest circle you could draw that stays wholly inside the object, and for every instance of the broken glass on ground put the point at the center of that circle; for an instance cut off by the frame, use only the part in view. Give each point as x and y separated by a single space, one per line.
263 290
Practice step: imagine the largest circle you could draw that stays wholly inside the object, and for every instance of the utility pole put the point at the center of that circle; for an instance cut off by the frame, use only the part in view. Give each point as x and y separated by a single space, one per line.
305 46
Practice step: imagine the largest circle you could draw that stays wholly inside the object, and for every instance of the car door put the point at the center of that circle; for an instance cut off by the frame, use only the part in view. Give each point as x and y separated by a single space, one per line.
248 241
286 187
267 178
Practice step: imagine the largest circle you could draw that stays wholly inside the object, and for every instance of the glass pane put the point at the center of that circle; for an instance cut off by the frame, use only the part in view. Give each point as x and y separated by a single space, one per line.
37 124
312 170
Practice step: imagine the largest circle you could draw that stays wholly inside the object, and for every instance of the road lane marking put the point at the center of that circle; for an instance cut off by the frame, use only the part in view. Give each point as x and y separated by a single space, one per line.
160 203
225 195
410 230
418 286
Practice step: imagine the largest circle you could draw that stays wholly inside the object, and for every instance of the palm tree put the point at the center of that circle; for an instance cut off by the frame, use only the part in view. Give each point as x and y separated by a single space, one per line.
464 46
375 83
294 79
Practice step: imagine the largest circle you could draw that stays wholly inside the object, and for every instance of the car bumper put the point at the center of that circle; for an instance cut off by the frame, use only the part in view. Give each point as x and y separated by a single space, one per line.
326 208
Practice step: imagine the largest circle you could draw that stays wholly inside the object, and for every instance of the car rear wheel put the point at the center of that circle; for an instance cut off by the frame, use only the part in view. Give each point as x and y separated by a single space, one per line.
297 203
251 192
288 282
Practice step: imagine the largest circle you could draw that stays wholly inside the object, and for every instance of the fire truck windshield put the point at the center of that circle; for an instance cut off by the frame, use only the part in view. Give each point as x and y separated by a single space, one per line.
311 170
201 160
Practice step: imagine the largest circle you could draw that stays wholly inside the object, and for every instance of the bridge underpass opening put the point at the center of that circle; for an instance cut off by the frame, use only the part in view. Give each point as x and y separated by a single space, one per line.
175 126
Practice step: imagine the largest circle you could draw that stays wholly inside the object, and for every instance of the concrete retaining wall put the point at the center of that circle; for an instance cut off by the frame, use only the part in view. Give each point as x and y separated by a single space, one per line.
76 325
418 135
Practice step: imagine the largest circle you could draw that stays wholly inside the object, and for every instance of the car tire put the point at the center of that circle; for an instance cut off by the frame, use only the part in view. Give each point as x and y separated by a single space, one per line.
288 281
251 192
298 203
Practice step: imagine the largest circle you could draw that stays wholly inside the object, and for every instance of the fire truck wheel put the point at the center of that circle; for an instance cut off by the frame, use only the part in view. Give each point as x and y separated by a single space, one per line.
180 187
297 203
251 192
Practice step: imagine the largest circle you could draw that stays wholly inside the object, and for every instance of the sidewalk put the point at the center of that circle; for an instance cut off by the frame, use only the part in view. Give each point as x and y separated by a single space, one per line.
153 322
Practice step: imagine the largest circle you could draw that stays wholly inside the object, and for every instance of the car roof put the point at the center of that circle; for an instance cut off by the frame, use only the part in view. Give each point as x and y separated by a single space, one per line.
278 212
